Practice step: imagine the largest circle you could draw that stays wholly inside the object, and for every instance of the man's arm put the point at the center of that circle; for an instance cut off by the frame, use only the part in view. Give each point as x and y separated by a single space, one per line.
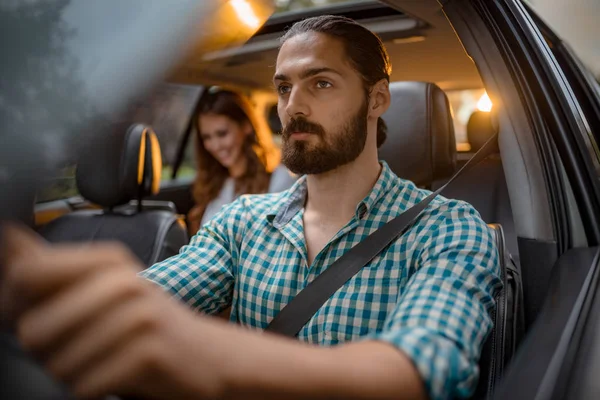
270 367
443 316
202 274
101 330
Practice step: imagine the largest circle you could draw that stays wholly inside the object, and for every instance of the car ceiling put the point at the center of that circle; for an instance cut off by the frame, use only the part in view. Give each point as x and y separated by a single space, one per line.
439 58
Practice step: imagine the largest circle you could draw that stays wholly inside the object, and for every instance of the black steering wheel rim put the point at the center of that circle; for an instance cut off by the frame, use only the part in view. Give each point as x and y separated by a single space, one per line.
21 377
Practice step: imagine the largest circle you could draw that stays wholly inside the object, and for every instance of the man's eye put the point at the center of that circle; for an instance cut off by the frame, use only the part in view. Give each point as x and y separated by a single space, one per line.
283 89
323 84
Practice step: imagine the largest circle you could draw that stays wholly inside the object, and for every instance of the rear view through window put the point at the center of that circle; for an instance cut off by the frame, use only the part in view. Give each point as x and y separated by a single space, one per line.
167 109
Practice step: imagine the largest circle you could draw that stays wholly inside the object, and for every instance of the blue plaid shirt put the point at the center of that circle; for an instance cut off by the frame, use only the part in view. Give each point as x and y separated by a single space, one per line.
430 293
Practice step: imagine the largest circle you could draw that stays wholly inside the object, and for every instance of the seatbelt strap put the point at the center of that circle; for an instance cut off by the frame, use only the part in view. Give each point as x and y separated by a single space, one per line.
300 310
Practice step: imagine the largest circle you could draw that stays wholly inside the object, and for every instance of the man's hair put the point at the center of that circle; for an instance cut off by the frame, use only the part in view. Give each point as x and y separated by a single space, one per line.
364 48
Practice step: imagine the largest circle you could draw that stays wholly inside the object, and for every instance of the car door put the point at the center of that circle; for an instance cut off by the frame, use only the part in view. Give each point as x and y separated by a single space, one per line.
558 359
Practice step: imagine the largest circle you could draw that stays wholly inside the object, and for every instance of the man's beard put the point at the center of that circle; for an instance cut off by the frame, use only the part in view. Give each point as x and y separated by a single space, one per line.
330 151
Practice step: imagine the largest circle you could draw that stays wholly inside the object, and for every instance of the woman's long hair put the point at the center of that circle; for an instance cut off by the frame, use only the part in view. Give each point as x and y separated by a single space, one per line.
261 154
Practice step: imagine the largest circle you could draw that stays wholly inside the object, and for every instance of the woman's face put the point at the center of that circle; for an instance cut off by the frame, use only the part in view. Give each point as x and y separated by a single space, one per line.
223 138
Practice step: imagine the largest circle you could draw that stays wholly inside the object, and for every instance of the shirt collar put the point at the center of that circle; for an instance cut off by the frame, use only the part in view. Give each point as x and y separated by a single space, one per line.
296 198
291 203
383 184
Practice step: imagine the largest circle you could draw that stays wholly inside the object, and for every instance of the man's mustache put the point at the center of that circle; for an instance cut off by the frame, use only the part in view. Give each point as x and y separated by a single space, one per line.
302 125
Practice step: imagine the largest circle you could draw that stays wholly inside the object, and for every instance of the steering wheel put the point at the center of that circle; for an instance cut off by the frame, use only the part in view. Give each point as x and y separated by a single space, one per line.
21 377
74 44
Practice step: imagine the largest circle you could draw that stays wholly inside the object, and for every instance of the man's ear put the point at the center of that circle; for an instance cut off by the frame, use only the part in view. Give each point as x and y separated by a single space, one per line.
380 99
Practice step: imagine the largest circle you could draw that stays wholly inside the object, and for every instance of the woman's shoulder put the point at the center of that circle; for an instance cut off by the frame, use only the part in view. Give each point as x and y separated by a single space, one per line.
281 179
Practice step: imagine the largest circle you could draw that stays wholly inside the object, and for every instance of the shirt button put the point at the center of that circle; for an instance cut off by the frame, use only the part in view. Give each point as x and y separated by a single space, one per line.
362 211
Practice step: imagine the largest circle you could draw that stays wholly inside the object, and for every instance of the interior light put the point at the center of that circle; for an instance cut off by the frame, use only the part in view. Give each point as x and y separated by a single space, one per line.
463 147
245 13
484 103
410 39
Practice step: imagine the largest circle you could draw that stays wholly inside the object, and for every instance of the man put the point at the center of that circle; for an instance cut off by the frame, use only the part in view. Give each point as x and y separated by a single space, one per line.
409 325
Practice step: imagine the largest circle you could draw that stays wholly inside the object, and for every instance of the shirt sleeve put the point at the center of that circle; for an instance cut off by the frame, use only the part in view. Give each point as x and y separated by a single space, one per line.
202 274
444 314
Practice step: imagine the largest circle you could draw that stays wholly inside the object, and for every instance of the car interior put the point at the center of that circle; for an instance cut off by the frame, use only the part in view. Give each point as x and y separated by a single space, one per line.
122 171
417 40
118 195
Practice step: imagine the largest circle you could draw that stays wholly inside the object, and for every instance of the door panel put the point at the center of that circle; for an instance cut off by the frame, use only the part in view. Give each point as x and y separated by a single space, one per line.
583 365
537 371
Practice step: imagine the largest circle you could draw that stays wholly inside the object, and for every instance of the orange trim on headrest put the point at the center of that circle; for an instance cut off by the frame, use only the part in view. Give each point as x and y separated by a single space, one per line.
142 158
156 162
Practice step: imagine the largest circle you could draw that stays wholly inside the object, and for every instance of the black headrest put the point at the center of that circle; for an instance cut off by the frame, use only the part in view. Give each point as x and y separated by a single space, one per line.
420 144
120 166
480 129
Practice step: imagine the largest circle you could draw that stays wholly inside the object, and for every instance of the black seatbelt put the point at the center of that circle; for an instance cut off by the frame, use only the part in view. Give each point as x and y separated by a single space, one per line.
300 310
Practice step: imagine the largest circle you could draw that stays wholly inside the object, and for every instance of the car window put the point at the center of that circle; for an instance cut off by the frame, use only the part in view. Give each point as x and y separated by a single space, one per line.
59 187
167 109
583 85
587 92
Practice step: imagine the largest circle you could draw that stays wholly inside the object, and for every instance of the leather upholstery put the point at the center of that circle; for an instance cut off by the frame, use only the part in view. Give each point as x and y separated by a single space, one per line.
484 185
509 323
120 167
480 129
116 176
421 147
420 144
151 235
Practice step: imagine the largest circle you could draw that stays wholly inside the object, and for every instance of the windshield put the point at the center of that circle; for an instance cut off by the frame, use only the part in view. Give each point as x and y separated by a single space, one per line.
294 5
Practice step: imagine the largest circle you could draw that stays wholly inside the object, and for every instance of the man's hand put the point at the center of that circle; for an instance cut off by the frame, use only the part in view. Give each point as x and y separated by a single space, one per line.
87 316
99 328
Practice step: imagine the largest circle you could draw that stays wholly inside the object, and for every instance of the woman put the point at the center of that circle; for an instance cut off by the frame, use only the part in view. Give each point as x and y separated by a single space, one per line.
234 156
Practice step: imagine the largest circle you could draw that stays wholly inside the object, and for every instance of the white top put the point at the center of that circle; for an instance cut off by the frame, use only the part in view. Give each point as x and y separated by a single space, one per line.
281 179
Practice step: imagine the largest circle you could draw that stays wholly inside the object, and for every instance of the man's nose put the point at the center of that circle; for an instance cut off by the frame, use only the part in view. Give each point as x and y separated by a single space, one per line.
297 104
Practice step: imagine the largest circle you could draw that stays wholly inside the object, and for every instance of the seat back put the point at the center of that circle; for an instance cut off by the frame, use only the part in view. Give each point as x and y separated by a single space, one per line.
116 175
509 323
484 185
420 144
421 147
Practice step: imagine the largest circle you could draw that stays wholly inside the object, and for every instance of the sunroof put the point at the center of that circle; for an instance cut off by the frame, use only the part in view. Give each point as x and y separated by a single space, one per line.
298 5
290 11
